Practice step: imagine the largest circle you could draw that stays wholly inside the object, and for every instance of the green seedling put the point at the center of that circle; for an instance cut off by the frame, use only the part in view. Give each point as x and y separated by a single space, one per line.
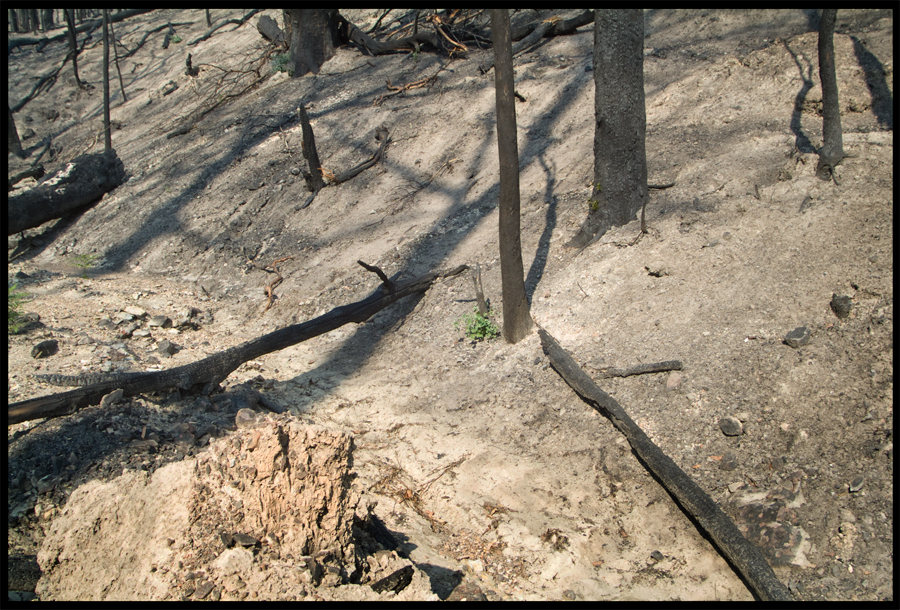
14 300
593 204
478 327
84 262
280 63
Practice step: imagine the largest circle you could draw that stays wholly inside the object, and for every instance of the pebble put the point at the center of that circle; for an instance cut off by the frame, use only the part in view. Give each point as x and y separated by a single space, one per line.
797 337
730 426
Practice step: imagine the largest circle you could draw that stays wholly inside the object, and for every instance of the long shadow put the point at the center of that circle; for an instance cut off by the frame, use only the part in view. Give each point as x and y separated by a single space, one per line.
536 271
801 141
882 100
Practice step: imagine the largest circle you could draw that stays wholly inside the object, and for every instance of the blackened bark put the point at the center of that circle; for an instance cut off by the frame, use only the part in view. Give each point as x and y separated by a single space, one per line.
13 144
516 317
107 132
620 157
81 182
832 151
314 180
314 35
73 43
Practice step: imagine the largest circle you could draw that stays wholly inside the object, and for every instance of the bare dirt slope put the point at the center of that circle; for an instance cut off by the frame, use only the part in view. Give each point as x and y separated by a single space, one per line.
485 465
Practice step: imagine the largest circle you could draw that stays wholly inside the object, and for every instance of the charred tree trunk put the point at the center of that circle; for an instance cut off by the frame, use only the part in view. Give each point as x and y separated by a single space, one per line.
314 179
107 133
313 37
13 144
73 43
832 151
516 317
620 157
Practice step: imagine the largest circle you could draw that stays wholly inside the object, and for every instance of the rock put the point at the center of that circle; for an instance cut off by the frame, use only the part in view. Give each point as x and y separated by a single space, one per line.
166 348
857 484
841 305
797 337
467 591
245 418
203 589
656 556
112 398
674 381
731 426
134 311
45 349
162 321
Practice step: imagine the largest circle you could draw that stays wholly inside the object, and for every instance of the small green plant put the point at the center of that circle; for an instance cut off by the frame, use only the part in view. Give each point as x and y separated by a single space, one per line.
478 327
84 262
593 204
280 62
176 39
14 300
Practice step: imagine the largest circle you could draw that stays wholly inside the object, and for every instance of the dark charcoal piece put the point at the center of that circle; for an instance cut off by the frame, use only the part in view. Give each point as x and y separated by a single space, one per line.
841 305
396 582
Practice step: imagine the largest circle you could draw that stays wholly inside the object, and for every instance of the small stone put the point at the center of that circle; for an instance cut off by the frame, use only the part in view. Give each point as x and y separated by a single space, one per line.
245 539
135 311
857 484
245 418
729 461
841 305
45 349
569 594
657 556
162 321
797 337
674 381
203 590
166 348
730 426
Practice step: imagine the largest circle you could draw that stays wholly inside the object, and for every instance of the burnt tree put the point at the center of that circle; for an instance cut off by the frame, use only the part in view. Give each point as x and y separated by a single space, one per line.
516 317
832 151
107 133
73 43
620 158
314 34
13 144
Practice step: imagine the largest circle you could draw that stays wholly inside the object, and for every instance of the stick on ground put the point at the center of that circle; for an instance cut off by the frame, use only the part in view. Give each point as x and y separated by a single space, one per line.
742 554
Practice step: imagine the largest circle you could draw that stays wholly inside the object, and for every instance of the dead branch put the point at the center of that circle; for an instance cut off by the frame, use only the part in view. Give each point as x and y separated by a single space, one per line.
380 134
388 284
238 22
207 373
641 369
743 555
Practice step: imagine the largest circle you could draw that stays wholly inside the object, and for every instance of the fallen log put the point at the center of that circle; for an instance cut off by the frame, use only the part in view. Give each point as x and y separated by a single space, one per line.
83 181
207 373
742 554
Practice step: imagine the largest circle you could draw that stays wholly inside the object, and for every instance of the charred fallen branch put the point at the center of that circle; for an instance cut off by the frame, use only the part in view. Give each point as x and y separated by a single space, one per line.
206 374
83 181
742 554
642 369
